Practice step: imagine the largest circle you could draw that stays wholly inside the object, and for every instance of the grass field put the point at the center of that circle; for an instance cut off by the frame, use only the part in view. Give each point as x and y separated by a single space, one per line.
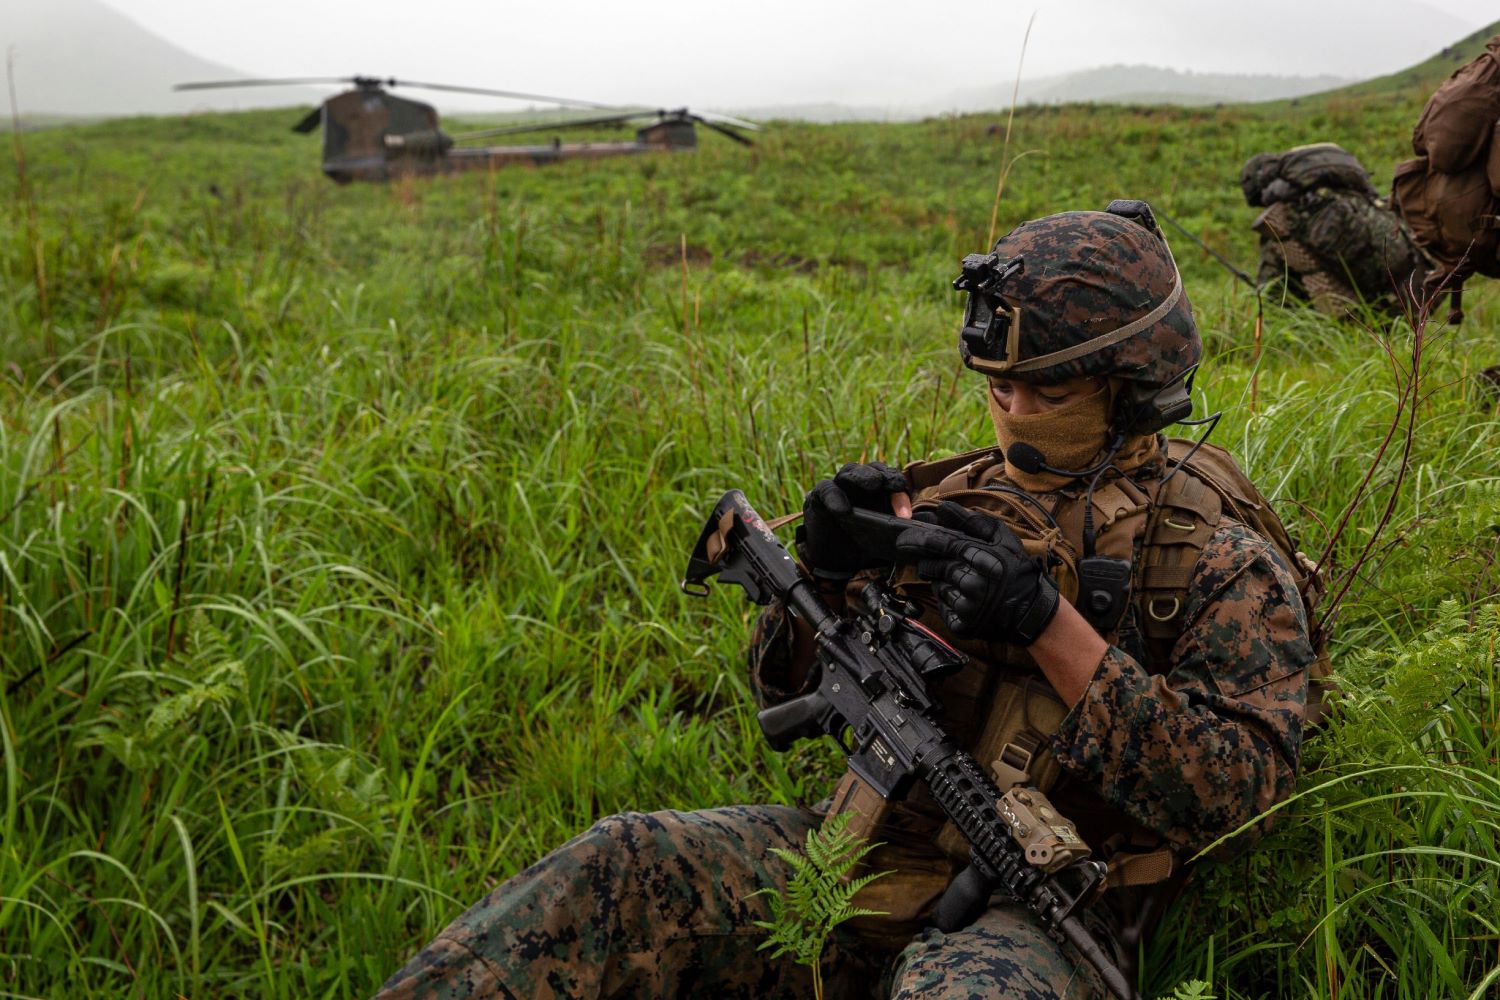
340 527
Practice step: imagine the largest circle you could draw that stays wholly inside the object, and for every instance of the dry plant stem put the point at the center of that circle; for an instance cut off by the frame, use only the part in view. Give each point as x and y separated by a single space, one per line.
1353 503
183 540
1010 120
1255 371
1407 402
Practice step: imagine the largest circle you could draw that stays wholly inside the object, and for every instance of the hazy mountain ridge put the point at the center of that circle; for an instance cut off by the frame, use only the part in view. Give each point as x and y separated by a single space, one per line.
1120 84
82 58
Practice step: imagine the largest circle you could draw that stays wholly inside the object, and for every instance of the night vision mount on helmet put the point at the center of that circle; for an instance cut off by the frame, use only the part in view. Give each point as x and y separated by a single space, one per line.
1086 294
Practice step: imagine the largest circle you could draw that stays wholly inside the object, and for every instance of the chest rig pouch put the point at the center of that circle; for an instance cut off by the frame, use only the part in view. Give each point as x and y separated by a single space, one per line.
1000 706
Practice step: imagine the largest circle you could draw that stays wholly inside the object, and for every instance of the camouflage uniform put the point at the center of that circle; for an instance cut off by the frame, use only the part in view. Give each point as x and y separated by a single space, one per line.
662 905
1182 752
1328 238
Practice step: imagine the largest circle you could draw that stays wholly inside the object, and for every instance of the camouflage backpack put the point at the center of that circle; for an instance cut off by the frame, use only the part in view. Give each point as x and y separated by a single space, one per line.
1325 230
1268 178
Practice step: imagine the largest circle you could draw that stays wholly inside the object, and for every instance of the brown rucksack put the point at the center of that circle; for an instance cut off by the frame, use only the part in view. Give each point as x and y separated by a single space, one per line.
1455 125
1453 218
1492 162
1450 194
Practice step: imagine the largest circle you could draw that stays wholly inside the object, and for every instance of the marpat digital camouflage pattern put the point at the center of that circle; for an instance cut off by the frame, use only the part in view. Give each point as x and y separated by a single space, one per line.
1335 249
1193 749
1325 237
662 905
1086 274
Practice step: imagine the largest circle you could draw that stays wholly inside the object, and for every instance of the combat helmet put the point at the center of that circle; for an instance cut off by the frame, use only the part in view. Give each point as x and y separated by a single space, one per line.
1086 293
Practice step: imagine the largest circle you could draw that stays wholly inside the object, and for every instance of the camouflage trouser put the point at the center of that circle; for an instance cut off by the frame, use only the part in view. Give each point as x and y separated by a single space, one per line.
660 905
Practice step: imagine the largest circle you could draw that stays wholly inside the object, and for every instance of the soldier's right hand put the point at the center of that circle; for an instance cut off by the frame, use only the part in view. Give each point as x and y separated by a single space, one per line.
823 541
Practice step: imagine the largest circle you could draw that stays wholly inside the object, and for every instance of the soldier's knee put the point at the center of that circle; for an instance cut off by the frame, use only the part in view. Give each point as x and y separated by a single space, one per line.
629 839
623 826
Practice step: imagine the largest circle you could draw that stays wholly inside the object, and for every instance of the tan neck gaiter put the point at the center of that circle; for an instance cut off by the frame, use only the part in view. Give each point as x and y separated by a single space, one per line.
1070 437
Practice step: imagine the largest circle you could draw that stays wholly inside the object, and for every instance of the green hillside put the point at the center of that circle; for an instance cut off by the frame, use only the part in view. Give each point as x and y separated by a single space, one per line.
1420 80
340 528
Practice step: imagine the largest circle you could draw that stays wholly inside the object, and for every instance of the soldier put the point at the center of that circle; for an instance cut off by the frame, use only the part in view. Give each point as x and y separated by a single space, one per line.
1161 719
1327 235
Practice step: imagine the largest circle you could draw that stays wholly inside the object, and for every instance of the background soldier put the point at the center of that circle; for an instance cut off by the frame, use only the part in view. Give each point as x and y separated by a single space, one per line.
1326 234
1161 715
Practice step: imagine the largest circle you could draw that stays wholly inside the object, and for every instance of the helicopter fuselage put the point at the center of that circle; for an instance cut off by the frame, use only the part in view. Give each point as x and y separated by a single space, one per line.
370 134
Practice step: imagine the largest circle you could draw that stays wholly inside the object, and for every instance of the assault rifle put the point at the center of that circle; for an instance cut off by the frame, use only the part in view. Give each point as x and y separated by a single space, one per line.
873 668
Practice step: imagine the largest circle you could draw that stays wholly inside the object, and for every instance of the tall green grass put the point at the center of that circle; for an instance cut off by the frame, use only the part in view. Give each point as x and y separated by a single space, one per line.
341 530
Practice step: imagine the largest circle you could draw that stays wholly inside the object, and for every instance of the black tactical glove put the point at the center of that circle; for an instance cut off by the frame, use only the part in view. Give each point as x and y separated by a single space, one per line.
825 540
987 586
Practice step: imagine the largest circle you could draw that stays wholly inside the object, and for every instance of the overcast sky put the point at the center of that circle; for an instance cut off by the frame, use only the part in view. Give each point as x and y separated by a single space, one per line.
870 52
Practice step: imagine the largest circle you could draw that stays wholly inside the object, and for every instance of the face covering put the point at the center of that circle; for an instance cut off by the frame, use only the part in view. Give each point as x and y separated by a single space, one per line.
1070 437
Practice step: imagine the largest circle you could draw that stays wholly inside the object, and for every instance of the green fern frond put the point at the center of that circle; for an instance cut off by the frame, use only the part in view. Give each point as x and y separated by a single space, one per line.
857 884
818 894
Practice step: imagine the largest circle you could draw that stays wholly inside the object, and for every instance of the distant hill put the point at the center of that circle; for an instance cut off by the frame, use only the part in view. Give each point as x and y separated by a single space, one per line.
824 113
1425 75
1157 85
1127 84
1111 84
82 58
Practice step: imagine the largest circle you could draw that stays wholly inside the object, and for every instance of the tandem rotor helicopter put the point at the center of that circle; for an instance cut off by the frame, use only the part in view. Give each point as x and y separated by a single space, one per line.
370 134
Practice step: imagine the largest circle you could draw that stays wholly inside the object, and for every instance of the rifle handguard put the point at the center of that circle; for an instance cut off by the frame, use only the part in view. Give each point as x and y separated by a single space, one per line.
873 697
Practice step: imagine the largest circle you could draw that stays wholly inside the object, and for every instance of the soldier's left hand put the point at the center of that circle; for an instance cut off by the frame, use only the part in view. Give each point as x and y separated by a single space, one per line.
987 585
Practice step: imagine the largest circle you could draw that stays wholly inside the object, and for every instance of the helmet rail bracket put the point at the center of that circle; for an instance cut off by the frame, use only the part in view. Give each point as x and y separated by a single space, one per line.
987 316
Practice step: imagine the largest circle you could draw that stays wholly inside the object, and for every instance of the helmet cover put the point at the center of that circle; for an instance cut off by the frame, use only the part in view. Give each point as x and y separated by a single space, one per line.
1096 294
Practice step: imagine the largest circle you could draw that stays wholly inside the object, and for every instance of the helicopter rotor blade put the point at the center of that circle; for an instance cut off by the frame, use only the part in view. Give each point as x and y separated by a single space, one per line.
515 94
713 116
723 130
552 126
714 122
294 82
313 119
371 81
718 123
